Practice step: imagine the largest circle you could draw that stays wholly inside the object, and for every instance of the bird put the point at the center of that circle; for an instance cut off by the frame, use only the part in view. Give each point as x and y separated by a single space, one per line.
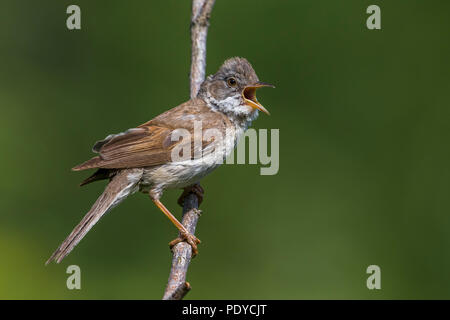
151 157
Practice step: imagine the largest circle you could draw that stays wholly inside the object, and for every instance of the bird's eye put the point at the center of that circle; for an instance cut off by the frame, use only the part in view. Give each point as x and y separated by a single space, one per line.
232 82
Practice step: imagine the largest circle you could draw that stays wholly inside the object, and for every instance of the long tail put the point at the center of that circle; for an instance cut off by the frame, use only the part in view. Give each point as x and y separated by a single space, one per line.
122 184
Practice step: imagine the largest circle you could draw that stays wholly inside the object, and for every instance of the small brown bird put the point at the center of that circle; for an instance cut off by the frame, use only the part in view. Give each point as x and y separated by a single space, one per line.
146 158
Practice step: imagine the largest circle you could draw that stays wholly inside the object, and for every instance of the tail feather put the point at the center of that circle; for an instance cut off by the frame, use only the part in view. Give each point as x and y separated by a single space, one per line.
122 184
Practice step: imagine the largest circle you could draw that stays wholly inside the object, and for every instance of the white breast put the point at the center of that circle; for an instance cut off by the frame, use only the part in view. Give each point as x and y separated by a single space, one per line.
184 173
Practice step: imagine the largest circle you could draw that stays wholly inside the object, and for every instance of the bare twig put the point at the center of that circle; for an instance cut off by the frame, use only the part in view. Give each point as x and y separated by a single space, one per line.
201 11
177 287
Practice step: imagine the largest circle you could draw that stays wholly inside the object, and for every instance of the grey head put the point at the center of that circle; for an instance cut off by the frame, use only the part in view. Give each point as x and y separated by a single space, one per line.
232 89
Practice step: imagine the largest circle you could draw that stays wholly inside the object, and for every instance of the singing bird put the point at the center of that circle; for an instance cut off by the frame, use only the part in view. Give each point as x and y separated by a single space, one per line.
142 158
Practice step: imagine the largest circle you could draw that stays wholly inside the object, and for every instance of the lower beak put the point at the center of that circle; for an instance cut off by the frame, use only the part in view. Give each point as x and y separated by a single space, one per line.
249 95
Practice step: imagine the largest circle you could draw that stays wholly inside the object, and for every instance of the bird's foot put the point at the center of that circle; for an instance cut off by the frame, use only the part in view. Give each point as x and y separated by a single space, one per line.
189 238
195 189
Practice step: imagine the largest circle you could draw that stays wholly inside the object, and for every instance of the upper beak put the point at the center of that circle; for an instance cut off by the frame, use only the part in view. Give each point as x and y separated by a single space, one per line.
249 95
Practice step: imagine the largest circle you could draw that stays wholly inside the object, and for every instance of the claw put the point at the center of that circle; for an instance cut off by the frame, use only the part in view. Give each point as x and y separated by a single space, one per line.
189 238
195 189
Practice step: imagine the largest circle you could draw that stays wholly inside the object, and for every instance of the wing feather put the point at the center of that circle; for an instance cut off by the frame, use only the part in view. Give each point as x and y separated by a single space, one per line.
150 144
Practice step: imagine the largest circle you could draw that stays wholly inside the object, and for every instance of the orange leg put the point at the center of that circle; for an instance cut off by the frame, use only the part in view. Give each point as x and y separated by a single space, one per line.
185 235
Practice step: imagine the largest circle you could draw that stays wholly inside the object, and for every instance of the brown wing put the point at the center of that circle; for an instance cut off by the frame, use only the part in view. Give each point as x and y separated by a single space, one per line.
150 144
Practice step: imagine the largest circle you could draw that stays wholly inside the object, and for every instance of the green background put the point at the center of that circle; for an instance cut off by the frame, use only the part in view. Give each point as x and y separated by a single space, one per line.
364 159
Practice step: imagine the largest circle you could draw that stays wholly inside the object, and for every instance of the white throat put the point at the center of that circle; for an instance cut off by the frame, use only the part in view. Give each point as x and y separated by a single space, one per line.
238 112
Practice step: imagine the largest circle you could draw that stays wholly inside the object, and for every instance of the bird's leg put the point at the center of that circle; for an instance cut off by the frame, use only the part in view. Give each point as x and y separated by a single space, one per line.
185 235
195 189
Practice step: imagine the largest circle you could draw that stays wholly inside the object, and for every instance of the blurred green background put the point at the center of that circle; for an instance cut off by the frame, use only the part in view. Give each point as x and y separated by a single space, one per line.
364 158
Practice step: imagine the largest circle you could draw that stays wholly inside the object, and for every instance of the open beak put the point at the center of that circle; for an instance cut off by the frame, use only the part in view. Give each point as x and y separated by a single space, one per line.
249 95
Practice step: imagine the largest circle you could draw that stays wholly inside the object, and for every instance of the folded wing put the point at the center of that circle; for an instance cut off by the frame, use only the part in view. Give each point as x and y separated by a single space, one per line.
151 143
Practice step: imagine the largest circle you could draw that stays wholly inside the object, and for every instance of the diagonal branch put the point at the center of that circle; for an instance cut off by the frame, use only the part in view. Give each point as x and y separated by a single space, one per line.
177 287
201 12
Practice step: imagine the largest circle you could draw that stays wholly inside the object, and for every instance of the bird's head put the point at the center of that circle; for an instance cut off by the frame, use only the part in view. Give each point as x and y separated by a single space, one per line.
232 89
